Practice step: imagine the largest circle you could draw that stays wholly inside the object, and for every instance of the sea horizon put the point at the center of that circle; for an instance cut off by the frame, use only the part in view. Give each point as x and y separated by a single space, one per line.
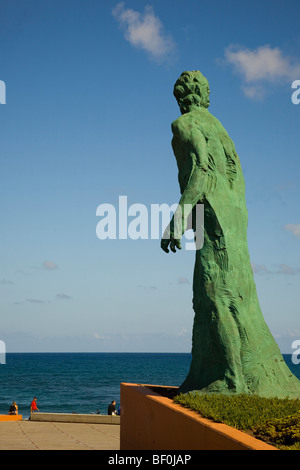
86 382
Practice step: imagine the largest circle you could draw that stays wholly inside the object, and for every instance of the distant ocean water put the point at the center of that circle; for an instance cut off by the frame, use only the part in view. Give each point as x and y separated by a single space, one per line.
86 382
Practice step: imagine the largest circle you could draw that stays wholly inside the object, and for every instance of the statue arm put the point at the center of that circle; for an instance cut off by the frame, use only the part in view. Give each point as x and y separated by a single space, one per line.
196 186
194 191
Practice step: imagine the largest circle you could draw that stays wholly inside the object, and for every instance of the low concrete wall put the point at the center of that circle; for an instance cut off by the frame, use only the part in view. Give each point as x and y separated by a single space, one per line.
150 421
10 417
75 418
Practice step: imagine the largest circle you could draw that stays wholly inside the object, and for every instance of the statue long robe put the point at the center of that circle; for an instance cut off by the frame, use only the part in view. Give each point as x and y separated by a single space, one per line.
233 350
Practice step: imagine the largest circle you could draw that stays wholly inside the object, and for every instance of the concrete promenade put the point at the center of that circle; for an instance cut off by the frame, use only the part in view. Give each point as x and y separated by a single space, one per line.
35 435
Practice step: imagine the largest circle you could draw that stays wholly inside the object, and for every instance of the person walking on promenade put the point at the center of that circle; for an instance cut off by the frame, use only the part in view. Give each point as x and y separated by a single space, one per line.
33 406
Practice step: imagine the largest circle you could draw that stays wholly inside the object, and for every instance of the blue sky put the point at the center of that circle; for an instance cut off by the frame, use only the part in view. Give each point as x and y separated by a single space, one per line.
87 119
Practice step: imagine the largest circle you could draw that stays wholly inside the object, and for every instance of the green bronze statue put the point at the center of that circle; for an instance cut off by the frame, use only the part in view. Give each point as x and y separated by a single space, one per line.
233 351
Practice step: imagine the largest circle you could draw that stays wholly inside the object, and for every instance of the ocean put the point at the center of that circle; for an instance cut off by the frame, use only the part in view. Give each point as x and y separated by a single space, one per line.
86 382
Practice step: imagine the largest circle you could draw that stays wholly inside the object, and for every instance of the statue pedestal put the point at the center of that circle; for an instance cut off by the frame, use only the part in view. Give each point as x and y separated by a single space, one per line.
150 421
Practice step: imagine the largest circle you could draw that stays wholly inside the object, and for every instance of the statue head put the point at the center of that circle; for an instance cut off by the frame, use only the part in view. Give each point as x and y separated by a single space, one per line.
191 91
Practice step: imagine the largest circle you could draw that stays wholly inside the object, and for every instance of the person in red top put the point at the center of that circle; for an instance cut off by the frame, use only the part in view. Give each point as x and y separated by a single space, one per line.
33 406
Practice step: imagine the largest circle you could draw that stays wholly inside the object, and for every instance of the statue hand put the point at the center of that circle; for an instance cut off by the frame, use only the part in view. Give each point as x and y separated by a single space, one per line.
174 243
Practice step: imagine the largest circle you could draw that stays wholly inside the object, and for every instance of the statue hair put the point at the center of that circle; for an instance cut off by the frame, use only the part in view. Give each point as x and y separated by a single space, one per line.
194 85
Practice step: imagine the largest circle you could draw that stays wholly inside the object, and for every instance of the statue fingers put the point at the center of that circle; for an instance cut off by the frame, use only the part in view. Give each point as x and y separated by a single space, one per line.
164 244
175 244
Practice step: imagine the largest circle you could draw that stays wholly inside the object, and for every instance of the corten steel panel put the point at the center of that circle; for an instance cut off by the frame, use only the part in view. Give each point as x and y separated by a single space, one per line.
150 421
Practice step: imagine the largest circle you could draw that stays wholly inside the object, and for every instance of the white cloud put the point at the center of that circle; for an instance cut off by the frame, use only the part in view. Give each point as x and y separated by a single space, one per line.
63 297
183 280
4 282
98 337
285 269
295 333
253 91
144 31
49 265
147 287
259 268
182 332
294 228
281 269
261 66
35 301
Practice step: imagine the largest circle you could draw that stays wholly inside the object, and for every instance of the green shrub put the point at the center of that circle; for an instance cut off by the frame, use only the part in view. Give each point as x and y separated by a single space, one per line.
271 419
282 431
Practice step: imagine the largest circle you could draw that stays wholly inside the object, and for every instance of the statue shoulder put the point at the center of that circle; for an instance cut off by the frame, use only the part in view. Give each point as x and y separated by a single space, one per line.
188 123
178 125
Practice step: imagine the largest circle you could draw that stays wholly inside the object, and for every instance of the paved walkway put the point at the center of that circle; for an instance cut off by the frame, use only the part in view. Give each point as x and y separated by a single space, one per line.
31 435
